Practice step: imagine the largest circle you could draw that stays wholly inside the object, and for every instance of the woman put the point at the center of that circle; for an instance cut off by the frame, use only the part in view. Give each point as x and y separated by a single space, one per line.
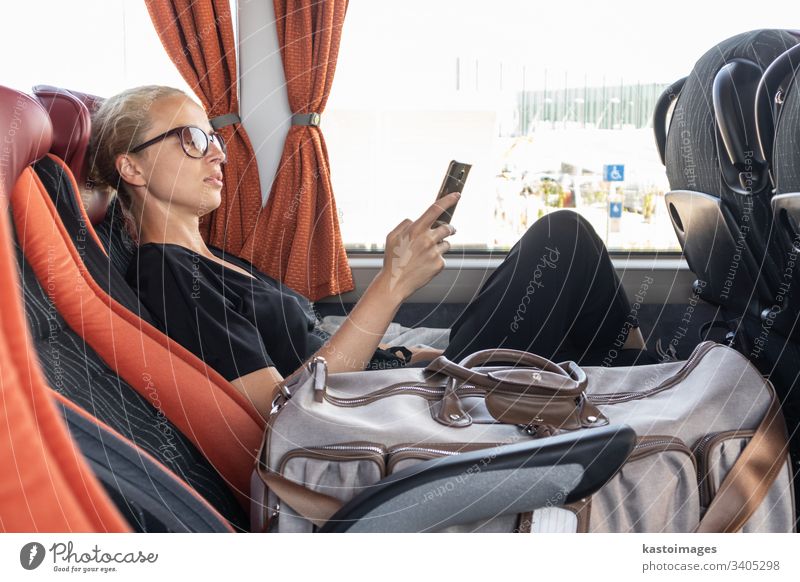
556 293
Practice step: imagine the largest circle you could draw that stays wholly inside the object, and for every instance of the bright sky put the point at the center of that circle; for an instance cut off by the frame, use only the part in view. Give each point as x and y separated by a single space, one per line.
402 52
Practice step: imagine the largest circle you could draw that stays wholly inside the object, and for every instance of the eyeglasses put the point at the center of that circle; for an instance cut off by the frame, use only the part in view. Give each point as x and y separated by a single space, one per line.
194 141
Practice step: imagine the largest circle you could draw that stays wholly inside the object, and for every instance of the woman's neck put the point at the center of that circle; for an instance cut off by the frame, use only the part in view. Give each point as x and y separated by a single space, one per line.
173 228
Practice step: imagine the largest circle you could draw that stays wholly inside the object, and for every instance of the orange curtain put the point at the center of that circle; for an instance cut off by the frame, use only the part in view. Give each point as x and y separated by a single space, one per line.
297 239
302 244
198 37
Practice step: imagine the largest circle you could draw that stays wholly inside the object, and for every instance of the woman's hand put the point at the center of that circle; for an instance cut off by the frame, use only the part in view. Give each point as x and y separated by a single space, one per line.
413 254
424 354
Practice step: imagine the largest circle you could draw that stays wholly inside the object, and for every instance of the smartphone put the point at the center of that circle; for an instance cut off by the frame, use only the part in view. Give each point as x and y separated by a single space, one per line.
453 181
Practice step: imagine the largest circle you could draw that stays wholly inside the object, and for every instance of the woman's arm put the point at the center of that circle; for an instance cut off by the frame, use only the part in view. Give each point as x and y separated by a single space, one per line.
413 256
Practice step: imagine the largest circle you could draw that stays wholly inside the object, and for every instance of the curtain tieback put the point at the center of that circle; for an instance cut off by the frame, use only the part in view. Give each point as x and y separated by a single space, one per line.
311 119
221 121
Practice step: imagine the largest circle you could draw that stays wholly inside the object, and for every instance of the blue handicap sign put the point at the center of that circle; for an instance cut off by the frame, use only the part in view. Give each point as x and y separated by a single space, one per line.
614 173
615 209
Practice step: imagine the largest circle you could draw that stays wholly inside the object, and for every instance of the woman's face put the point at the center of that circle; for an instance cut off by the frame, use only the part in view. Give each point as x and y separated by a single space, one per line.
178 182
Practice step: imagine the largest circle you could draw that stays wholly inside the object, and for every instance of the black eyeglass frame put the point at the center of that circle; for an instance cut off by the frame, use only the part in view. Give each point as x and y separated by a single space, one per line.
213 136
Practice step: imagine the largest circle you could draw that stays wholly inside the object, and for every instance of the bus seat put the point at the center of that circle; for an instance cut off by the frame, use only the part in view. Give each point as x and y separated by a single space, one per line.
51 490
71 131
151 497
719 203
76 373
780 138
206 408
522 477
70 112
217 420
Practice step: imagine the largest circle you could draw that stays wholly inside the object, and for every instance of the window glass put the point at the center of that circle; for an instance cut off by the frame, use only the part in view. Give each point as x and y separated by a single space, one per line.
94 46
539 97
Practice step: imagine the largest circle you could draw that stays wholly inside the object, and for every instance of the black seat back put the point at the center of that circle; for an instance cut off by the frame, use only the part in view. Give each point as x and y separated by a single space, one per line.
149 495
512 479
76 372
719 204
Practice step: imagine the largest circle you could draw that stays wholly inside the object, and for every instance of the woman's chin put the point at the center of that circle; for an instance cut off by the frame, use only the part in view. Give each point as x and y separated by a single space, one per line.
210 201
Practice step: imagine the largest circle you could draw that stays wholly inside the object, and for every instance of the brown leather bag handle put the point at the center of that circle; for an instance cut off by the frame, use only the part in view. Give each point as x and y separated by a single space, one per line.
549 378
518 357
558 390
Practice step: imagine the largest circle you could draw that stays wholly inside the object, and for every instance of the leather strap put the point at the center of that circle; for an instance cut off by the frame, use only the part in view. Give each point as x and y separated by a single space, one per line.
221 121
517 357
549 394
311 119
546 381
316 507
749 480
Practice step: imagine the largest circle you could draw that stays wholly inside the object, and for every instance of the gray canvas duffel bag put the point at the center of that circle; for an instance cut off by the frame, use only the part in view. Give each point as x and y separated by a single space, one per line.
711 455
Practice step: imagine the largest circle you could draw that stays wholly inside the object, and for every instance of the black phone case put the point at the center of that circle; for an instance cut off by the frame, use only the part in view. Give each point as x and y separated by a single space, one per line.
454 180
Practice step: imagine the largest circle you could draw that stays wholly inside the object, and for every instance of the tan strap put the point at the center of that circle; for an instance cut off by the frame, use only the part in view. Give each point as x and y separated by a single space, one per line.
749 480
316 507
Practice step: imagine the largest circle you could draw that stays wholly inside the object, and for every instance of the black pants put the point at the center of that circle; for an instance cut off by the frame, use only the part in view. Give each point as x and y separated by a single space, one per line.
557 295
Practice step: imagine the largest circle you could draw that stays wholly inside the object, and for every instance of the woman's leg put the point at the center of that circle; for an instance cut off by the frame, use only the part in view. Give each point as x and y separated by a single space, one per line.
555 294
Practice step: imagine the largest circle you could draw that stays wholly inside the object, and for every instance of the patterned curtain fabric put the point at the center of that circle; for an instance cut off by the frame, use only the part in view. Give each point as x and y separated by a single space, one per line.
198 37
302 244
296 239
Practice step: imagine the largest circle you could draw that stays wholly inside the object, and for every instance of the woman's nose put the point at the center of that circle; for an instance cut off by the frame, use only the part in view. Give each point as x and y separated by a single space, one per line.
215 153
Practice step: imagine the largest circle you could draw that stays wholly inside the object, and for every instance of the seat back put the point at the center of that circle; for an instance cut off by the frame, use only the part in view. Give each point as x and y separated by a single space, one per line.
150 496
78 376
231 428
213 415
511 479
70 113
780 136
719 204
144 414
52 490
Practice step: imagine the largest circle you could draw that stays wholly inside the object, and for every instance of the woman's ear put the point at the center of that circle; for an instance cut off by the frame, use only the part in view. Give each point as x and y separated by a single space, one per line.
129 170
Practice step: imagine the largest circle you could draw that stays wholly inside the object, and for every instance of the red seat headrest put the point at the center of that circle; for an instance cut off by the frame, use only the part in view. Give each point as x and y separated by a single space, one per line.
27 135
70 112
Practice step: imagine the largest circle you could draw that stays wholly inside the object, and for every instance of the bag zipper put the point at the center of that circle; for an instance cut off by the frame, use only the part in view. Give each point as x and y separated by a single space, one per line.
702 451
435 392
689 365
658 444
402 452
353 451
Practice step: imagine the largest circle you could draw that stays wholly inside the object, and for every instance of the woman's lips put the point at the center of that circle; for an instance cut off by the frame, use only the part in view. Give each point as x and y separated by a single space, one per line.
213 181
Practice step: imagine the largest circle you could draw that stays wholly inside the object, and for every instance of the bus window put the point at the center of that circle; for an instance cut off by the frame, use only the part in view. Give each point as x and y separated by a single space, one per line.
551 103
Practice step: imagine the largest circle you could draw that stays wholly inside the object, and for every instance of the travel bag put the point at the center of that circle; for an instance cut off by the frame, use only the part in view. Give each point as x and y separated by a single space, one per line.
711 453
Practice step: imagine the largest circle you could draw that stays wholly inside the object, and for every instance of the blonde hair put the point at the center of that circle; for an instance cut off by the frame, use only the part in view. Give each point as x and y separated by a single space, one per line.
117 126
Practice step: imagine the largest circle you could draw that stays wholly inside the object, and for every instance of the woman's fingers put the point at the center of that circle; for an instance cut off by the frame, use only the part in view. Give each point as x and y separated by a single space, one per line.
435 210
400 227
442 231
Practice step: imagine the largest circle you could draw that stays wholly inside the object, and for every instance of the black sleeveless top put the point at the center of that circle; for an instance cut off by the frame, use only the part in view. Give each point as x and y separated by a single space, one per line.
235 323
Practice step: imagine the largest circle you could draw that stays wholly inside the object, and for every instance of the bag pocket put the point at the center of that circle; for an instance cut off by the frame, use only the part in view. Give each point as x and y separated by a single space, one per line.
403 456
654 491
342 471
716 454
